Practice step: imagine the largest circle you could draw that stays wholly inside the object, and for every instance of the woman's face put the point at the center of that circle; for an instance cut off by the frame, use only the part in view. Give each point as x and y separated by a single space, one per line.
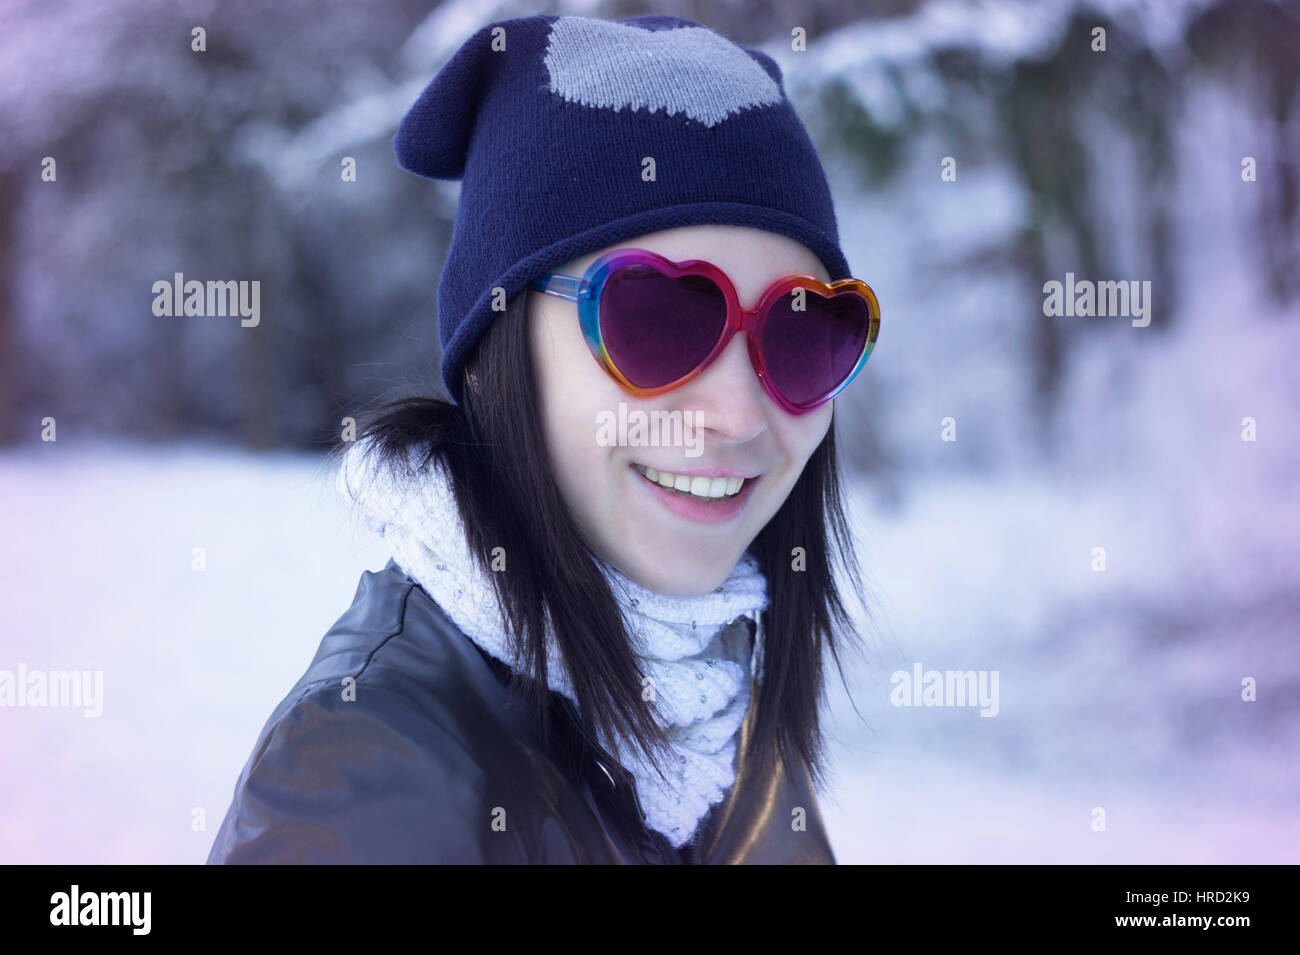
663 539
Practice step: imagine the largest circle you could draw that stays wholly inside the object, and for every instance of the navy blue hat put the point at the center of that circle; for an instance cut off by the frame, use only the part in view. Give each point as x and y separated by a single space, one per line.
547 120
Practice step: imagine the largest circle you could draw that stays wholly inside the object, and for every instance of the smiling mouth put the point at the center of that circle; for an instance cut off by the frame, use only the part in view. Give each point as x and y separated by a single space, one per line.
697 487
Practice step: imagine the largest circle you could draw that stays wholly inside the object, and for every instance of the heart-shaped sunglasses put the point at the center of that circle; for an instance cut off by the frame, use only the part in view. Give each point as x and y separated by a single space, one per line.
654 324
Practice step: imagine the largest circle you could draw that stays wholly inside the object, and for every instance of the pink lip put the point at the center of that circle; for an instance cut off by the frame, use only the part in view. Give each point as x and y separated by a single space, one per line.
718 512
702 472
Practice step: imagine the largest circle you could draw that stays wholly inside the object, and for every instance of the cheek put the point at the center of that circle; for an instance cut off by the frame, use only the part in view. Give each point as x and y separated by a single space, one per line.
572 390
799 435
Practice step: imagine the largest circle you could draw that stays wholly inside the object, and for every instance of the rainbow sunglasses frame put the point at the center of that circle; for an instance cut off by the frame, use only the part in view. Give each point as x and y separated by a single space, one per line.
586 292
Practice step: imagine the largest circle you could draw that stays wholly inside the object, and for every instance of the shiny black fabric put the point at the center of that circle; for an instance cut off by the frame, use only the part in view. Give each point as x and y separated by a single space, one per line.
435 762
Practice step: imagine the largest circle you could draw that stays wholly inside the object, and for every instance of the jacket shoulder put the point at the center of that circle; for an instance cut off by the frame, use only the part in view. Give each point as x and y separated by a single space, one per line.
369 757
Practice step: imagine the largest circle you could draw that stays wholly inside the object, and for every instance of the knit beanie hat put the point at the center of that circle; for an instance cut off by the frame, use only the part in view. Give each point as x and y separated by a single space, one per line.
571 134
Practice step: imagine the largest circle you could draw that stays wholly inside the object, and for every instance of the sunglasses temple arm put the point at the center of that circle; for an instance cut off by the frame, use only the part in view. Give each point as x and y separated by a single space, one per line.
568 287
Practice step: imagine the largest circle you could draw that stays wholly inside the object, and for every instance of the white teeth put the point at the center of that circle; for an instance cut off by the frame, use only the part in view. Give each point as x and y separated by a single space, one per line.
696 486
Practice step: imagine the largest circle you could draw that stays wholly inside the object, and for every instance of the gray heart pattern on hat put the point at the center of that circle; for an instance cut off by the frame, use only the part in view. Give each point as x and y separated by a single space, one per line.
689 70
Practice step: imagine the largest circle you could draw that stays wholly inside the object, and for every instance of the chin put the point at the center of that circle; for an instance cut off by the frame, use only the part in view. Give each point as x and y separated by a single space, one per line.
677 579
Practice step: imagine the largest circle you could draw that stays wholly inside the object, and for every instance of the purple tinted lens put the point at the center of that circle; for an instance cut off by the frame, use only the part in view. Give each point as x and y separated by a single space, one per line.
810 353
657 328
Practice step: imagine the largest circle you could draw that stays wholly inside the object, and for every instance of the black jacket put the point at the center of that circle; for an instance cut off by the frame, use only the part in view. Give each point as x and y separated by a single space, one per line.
434 761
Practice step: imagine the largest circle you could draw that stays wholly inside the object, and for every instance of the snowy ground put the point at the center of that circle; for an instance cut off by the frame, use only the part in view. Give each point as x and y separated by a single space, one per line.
1117 690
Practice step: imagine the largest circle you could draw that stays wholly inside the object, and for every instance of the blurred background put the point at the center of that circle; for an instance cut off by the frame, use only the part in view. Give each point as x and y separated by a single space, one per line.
990 449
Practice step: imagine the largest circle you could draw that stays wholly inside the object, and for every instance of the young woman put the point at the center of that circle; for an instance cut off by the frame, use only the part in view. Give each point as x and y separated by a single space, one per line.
600 636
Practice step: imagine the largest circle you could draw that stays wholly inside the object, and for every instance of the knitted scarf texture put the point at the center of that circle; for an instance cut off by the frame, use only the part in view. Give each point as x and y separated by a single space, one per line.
700 667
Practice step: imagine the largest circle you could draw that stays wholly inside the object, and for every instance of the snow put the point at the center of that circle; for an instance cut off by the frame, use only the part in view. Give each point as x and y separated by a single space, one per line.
98 576
1117 689
1003 32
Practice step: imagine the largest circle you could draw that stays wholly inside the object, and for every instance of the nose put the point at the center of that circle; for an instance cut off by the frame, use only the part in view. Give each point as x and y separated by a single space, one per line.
728 395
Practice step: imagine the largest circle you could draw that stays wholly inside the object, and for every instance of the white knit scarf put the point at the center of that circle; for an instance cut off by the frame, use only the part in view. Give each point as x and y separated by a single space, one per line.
700 667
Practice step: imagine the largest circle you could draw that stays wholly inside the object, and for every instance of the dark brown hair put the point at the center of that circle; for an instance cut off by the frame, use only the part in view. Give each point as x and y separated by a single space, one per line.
494 449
